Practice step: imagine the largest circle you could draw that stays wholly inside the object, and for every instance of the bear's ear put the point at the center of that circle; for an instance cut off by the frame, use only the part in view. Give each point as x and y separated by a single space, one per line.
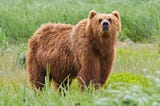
116 13
92 13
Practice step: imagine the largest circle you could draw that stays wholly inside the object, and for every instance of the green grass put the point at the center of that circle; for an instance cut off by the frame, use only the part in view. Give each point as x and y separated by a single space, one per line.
20 18
138 58
20 94
126 79
16 93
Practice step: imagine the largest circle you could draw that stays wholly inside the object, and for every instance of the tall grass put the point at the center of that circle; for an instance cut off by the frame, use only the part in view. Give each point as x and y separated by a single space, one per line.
143 59
20 18
20 94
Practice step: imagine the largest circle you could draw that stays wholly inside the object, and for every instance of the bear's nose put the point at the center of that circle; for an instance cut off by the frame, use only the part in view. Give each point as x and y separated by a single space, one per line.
105 23
105 26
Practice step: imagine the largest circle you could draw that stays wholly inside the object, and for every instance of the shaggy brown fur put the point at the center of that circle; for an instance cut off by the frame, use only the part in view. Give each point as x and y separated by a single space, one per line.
86 51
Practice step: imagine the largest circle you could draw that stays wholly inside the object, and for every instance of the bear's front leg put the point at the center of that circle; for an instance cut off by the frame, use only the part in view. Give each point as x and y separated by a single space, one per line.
89 73
106 67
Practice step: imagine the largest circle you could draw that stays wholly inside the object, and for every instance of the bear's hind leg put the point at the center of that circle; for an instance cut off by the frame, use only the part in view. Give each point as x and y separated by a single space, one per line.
36 76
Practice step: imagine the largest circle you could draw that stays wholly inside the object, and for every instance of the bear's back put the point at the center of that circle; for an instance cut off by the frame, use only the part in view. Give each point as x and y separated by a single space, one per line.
51 35
50 42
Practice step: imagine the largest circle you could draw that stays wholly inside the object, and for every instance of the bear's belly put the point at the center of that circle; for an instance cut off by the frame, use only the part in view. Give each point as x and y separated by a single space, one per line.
62 67
60 63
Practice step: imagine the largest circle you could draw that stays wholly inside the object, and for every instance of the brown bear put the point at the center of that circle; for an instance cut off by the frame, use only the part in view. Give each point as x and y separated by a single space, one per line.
86 51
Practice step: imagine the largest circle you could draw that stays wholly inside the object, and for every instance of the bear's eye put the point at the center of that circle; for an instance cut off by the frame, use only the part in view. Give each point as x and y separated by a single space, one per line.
110 20
100 20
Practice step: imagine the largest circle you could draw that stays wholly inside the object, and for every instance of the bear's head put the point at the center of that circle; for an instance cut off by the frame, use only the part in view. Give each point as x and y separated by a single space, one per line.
105 24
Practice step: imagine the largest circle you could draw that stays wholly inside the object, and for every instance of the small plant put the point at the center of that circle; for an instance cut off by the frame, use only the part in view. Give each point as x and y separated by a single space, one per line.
21 55
3 41
156 41
3 38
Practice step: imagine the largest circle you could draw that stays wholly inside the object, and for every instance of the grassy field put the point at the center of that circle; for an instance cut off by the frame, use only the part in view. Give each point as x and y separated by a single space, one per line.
135 80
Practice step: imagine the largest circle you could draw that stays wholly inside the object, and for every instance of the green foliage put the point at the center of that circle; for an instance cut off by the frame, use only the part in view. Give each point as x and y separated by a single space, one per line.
156 41
3 38
140 59
118 80
21 55
133 96
16 94
3 41
20 18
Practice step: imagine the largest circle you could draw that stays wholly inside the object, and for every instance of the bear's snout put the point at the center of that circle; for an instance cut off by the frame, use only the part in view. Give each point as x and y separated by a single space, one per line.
105 26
